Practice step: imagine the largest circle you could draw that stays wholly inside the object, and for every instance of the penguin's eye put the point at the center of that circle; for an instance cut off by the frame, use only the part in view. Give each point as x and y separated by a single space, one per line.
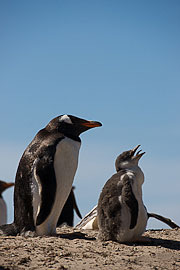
65 118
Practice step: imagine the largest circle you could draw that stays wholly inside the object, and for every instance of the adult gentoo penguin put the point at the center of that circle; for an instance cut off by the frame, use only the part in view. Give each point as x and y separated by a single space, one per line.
67 213
45 175
121 214
3 207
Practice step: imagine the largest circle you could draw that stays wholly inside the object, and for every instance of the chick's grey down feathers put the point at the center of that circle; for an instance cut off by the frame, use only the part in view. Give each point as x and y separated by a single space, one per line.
109 204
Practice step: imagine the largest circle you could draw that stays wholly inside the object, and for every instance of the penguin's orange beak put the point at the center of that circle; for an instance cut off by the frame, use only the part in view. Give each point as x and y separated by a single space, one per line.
91 124
7 185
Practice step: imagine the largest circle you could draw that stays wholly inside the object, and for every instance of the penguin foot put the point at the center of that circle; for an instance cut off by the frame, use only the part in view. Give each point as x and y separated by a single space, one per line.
8 229
105 236
28 234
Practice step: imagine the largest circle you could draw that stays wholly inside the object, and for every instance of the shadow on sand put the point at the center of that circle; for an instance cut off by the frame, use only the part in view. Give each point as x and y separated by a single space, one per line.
76 235
170 244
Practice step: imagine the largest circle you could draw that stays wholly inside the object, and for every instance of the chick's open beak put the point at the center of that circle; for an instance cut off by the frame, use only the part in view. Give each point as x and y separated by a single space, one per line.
135 148
138 154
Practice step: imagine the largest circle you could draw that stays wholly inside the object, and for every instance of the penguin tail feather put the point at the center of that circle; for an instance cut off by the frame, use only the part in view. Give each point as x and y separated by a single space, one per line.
8 229
168 221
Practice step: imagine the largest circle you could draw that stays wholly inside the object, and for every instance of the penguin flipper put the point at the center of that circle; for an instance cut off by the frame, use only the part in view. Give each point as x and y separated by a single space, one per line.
44 174
75 203
130 200
168 221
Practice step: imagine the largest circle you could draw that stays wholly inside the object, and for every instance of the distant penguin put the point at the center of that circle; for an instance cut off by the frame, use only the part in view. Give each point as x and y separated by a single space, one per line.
45 175
89 221
3 207
121 214
67 214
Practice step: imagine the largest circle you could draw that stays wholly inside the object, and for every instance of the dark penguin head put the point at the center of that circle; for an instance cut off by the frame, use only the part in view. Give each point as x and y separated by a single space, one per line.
70 125
4 186
128 159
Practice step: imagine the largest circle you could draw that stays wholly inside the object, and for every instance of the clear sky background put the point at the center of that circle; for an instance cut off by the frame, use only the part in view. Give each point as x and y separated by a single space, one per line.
117 62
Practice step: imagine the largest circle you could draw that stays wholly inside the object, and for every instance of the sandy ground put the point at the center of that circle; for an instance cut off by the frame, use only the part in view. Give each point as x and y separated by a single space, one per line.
72 249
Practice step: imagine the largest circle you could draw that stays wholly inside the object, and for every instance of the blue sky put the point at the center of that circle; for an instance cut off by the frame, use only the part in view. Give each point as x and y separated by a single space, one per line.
117 62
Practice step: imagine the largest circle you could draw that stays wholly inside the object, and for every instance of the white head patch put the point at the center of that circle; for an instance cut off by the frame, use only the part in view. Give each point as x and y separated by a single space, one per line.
65 118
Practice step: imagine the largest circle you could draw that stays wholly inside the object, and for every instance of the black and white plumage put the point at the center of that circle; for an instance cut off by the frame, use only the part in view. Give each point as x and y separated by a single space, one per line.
121 213
3 207
67 214
89 221
45 175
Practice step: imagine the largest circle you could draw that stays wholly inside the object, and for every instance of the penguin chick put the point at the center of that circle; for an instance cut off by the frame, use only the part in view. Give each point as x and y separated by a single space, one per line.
67 214
45 175
122 216
3 207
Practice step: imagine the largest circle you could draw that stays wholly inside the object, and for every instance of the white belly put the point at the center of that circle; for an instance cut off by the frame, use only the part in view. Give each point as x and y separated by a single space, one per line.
142 213
3 212
65 165
126 234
